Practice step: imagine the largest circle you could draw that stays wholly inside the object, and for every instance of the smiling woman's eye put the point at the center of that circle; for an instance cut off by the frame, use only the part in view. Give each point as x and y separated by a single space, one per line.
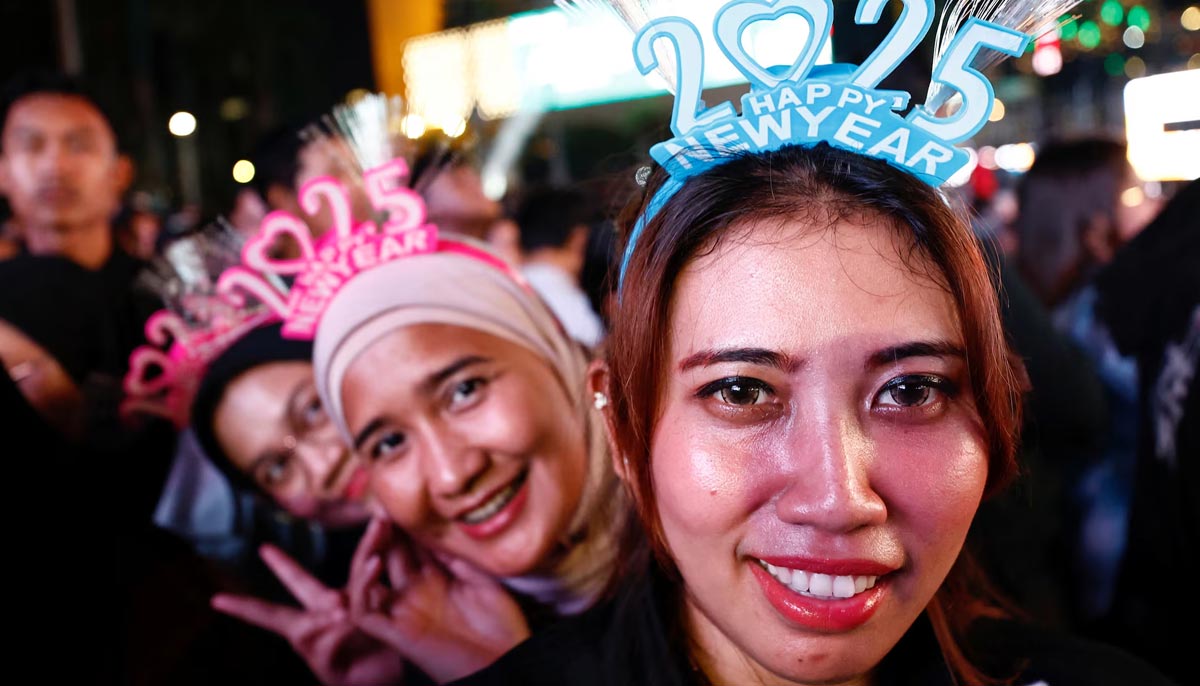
275 471
739 391
914 391
313 413
466 390
388 444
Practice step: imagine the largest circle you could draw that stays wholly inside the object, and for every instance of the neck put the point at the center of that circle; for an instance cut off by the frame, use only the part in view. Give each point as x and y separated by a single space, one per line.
88 245
564 260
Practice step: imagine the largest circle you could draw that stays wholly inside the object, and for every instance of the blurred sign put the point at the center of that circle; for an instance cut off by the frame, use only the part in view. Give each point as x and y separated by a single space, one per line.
554 60
1162 125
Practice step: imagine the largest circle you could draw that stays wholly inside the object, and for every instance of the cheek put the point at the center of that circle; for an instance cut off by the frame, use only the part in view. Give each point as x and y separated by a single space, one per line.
935 512
704 483
395 489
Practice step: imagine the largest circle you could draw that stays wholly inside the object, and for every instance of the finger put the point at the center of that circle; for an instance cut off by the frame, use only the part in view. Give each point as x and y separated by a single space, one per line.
399 566
306 588
363 578
277 618
465 572
394 635
322 655
375 540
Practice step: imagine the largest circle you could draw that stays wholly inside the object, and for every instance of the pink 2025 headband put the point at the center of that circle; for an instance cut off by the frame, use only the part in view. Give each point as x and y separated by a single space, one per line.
324 267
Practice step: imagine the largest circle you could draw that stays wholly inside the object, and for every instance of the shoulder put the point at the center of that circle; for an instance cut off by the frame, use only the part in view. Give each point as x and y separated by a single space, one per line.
1048 658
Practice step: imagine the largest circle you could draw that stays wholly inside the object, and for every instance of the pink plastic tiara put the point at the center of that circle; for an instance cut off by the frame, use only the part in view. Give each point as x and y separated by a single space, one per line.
324 267
164 375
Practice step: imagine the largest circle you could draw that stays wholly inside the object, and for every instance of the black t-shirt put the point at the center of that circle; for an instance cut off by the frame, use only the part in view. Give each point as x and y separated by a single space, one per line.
1150 300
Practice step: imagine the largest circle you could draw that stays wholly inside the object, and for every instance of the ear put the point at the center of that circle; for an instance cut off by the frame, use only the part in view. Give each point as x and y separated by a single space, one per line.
1099 240
4 177
123 176
577 241
598 379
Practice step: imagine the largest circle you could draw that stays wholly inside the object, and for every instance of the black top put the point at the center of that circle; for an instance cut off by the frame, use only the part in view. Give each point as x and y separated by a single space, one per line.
1150 299
629 641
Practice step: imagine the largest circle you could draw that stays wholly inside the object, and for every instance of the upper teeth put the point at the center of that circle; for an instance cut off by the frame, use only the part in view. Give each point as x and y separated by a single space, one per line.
820 585
495 503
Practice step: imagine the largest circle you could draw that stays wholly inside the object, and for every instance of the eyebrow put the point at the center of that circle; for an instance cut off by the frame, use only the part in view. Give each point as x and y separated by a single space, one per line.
427 386
895 353
771 358
757 356
439 377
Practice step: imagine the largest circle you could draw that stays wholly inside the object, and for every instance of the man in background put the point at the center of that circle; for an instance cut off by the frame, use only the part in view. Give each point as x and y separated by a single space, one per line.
63 175
554 227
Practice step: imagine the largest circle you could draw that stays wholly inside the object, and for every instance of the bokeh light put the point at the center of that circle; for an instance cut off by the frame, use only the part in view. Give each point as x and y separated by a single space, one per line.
243 171
182 124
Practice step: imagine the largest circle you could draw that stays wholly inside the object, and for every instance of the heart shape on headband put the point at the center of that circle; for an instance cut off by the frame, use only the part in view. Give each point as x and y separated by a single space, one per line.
257 253
143 362
735 18
164 326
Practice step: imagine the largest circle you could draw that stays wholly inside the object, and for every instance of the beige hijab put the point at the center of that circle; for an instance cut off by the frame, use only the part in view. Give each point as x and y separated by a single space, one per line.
462 290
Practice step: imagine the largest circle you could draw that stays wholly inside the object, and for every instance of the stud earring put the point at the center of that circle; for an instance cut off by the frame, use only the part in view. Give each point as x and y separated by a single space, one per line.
599 400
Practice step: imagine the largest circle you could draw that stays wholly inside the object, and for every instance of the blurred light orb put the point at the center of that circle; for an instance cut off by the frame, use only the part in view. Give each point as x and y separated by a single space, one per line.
1194 61
1089 35
1140 17
1132 197
1015 157
987 157
1114 64
454 127
1190 19
998 111
1069 29
182 124
1047 60
243 171
1135 68
414 126
234 109
1111 12
1134 37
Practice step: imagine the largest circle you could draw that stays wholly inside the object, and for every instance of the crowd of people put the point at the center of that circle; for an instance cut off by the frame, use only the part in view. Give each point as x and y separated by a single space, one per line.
816 422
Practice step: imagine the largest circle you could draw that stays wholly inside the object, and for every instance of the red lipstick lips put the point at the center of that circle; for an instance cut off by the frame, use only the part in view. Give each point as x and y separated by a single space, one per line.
823 613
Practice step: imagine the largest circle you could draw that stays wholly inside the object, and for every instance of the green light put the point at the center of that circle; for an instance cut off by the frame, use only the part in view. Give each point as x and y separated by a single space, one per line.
1089 35
1111 12
1114 64
1140 17
1069 30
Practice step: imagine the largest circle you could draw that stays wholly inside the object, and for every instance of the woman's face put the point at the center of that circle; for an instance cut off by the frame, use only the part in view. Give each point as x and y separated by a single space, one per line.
475 448
271 424
818 460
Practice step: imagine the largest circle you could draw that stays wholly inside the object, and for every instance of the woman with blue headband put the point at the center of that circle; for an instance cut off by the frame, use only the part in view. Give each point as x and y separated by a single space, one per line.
808 391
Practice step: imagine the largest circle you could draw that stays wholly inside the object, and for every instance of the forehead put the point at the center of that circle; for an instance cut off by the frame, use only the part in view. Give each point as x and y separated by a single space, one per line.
253 409
790 286
425 349
56 113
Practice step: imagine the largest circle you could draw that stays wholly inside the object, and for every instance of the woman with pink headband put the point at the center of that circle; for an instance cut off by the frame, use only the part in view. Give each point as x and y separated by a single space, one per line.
462 394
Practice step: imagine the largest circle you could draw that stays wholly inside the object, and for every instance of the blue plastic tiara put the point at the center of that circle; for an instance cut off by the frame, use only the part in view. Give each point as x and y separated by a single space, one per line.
803 104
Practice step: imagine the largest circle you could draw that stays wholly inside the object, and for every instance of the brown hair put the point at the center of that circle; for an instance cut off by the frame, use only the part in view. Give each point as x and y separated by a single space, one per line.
805 182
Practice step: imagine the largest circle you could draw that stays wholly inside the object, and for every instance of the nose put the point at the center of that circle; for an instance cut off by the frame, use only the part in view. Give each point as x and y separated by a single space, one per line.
53 159
452 467
326 463
829 485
